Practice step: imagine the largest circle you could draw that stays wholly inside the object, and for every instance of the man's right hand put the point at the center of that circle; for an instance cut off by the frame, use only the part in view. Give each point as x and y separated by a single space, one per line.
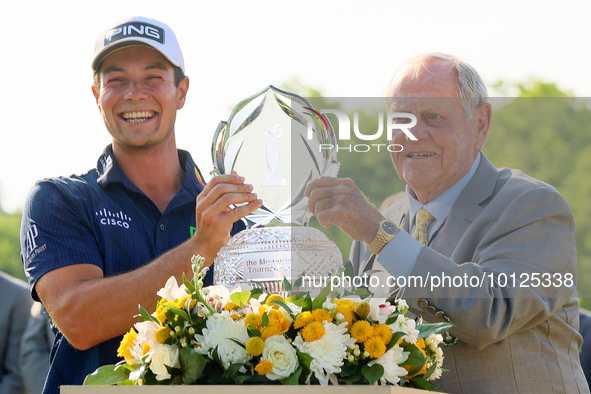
215 214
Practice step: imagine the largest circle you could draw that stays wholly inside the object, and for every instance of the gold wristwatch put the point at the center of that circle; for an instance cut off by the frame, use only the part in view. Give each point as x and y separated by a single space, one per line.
386 231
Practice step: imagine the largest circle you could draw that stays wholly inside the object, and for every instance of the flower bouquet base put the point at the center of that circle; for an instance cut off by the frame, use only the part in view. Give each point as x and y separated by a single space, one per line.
242 389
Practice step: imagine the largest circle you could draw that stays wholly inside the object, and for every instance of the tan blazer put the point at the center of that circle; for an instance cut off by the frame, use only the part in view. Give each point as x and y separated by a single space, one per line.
510 339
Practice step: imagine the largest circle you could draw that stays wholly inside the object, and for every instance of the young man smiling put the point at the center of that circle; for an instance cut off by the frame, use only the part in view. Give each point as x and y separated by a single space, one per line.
95 246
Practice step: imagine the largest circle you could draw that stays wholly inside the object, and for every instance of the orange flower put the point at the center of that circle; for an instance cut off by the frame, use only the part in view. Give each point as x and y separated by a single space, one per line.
313 331
383 332
375 347
264 367
421 345
346 308
361 331
253 319
278 324
303 319
321 315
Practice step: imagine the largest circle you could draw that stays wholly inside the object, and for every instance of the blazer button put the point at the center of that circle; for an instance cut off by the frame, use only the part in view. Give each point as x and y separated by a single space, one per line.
423 303
440 314
446 318
432 310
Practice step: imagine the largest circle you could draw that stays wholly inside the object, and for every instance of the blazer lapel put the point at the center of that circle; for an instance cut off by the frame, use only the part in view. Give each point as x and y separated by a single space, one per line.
467 207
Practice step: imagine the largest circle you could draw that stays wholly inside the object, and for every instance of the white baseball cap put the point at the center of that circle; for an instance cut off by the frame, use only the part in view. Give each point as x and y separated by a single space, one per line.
138 30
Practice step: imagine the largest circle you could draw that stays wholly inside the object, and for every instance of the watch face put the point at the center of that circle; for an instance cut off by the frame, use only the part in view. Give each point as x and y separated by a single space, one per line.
389 228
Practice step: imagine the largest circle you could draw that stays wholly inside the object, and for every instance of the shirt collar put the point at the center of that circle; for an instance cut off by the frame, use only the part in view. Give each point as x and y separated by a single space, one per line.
441 206
110 172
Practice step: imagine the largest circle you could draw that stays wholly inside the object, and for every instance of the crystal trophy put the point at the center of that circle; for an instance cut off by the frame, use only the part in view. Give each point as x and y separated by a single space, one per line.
273 139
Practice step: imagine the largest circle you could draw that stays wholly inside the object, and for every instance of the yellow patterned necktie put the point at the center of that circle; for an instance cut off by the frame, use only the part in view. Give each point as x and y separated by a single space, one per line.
423 220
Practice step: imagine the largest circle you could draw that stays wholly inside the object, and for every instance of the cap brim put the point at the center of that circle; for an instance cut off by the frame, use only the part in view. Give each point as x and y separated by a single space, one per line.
124 44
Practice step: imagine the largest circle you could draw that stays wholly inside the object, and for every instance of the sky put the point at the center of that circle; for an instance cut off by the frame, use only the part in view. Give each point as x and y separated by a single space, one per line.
233 49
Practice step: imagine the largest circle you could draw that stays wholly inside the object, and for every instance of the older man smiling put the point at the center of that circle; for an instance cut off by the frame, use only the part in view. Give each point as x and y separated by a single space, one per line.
468 220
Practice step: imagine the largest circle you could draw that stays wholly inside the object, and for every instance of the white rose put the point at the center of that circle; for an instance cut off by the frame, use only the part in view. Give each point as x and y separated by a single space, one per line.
283 356
164 355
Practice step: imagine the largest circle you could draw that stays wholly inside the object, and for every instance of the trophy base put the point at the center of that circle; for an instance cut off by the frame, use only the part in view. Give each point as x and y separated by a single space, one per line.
263 257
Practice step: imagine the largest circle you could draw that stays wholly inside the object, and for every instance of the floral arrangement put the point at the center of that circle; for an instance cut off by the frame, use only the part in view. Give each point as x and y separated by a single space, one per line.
207 335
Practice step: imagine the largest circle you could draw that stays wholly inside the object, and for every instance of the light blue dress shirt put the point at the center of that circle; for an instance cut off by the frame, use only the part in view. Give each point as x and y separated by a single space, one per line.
399 256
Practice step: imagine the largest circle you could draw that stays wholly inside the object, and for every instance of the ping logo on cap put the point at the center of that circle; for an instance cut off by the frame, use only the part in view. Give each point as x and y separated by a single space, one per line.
135 29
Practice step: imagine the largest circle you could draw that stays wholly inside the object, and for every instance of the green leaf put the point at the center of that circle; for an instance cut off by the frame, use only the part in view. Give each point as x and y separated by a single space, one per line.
253 331
107 375
307 304
349 270
255 293
356 377
395 338
192 365
238 342
172 311
283 305
392 318
240 298
265 320
305 359
421 383
415 356
321 298
293 379
188 284
147 317
286 285
298 282
373 373
434 328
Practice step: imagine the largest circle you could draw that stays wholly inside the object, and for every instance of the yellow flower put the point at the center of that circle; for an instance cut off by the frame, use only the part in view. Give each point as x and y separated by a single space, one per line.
160 313
255 346
346 308
274 297
278 324
361 331
363 309
321 315
264 367
230 305
253 319
313 331
303 319
181 303
235 316
145 349
383 332
421 345
126 344
162 334
375 347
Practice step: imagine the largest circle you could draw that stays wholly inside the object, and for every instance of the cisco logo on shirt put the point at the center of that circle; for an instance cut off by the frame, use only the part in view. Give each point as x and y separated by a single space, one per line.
108 218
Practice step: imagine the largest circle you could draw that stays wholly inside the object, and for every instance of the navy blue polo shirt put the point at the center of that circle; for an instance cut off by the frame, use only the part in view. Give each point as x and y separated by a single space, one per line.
100 218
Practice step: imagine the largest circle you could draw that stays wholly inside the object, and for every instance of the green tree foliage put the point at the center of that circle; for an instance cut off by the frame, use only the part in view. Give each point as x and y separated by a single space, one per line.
10 261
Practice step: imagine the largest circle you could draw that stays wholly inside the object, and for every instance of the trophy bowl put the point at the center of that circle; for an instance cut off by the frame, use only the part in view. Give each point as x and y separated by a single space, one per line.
263 257
273 139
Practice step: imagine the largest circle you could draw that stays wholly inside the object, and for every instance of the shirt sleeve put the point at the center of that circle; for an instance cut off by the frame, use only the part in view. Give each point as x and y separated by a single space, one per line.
56 231
399 256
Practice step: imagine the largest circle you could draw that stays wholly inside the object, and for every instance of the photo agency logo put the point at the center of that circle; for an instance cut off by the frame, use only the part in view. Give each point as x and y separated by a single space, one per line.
402 121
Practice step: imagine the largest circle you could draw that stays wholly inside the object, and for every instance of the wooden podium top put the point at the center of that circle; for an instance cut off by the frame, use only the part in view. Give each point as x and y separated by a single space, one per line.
244 389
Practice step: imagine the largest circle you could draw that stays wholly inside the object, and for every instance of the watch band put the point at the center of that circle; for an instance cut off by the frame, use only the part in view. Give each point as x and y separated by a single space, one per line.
382 237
